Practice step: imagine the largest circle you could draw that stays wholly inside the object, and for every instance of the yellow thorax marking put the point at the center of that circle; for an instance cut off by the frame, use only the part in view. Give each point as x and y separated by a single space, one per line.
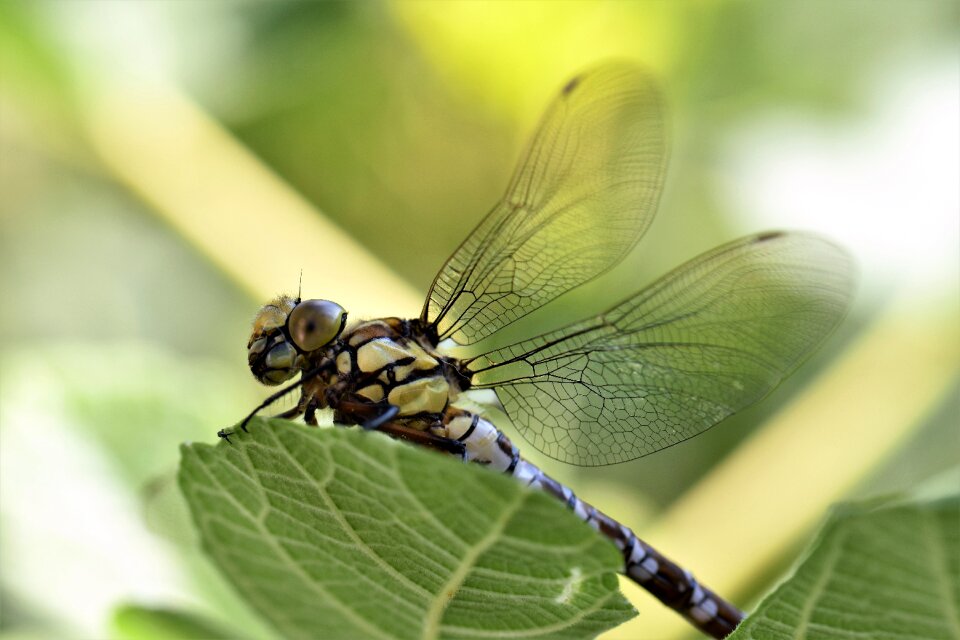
428 395
383 352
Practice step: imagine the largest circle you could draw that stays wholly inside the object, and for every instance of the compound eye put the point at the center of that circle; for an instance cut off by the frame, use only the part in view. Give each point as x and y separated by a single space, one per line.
315 323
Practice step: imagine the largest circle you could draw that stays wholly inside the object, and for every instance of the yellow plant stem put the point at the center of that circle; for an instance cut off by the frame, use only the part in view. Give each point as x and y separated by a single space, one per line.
231 206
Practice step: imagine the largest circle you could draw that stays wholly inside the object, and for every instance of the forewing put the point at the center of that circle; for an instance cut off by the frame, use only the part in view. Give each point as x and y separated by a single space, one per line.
586 190
703 342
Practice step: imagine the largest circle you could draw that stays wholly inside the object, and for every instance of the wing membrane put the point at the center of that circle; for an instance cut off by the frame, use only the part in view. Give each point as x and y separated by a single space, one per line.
585 191
708 339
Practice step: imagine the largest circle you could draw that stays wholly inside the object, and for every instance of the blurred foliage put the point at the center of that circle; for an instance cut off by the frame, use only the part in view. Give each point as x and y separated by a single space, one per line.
77 428
841 590
932 451
402 122
131 622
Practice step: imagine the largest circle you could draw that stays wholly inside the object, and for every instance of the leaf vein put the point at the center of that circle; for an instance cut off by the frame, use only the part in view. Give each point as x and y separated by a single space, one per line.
432 621
348 528
295 568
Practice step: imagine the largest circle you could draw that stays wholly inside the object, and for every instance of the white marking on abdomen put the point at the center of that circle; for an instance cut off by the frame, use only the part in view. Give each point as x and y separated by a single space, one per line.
481 444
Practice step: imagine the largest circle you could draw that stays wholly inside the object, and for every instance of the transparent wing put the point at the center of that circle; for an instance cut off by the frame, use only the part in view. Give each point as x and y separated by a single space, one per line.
703 342
584 193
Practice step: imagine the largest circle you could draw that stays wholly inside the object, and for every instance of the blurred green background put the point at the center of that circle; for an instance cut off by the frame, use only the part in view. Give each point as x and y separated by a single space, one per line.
166 166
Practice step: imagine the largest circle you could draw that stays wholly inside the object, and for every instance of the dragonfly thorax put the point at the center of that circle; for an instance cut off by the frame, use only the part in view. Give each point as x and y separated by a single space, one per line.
384 363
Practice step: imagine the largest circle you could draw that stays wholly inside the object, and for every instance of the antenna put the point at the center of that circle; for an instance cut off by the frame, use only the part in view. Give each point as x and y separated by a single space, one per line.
300 286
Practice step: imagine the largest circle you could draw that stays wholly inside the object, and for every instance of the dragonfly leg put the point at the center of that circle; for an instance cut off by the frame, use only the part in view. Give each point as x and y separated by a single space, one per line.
289 414
310 414
382 419
305 377
423 438
367 414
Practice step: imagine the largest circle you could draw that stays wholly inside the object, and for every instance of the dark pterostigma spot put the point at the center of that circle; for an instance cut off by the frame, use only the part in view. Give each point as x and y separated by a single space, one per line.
570 86
769 235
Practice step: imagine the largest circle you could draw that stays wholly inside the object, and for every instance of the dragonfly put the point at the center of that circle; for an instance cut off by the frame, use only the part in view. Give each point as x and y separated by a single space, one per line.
706 340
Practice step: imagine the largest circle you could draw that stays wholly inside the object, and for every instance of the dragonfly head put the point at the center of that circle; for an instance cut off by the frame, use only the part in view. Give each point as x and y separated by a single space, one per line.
286 330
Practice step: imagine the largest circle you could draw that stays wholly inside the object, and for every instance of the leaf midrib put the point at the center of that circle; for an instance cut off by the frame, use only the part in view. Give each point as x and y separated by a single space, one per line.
818 588
438 604
335 511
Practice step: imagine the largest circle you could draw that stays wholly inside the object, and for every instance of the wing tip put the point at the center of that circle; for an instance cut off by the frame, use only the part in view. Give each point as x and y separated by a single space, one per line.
572 84
767 236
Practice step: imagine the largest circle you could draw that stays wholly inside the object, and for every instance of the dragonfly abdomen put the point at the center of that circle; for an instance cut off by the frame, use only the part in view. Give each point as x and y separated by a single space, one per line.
669 583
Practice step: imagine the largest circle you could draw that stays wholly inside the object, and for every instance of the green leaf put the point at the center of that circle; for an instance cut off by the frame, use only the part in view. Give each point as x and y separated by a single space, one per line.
133 622
344 534
887 571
